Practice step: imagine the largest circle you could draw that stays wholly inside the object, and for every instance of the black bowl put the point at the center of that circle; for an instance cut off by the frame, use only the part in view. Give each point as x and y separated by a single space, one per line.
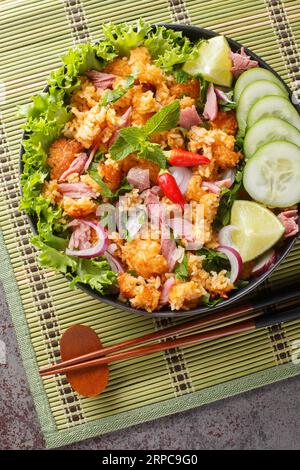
194 34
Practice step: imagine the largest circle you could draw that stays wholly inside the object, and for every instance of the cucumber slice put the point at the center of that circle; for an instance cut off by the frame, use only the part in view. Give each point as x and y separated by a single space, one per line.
267 130
252 75
272 175
274 106
250 94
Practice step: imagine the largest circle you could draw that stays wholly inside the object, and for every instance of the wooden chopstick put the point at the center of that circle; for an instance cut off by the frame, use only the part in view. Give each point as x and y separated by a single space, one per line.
256 323
152 348
170 331
87 359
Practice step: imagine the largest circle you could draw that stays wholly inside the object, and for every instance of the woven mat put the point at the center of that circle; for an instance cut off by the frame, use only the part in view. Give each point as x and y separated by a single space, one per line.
33 35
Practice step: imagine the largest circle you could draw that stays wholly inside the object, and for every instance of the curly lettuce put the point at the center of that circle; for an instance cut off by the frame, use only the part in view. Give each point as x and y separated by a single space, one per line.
168 48
125 36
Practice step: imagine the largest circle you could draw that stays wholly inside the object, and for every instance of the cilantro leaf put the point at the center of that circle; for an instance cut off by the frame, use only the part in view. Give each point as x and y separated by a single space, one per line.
111 96
214 260
124 36
181 271
228 196
163 120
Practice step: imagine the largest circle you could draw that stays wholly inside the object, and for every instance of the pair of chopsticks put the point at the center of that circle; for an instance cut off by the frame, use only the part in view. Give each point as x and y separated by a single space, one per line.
105 355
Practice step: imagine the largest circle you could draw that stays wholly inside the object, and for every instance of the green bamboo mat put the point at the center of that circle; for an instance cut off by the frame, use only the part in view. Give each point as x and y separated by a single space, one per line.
33 34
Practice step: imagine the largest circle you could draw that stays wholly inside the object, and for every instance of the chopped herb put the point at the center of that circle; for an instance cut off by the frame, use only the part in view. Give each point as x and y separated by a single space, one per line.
209 302
228 196
181 271
214 260
135 139
181 76
111 96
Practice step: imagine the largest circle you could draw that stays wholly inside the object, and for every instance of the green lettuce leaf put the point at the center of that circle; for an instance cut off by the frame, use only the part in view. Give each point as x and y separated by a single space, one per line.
50 257
168 48
125 36
96 273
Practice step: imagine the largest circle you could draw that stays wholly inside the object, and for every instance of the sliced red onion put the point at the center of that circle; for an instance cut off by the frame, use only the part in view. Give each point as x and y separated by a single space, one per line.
96 250
212 187
112 248
227 178
101 80
164 296
115 264
211 106
225 235
182 177
77 166
264 263
235 261
124 122
189 117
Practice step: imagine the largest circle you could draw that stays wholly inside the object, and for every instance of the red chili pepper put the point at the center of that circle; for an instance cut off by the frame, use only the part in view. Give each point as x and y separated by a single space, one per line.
169 187
179 157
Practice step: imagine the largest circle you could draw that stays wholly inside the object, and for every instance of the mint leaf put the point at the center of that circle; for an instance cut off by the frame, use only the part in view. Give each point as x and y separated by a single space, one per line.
105 191
163 120
111 96
130 140
154 153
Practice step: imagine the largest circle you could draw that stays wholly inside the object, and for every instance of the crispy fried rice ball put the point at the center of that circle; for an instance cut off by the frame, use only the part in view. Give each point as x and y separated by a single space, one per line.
61 154
143 257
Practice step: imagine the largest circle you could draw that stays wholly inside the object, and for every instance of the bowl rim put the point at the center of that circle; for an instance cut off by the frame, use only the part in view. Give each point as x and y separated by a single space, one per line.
193 32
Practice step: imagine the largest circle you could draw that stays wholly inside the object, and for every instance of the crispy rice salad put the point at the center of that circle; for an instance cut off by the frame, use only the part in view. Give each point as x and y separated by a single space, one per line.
136 124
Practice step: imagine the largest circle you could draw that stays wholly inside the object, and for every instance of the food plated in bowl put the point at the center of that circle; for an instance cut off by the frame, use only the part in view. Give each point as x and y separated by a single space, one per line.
149 178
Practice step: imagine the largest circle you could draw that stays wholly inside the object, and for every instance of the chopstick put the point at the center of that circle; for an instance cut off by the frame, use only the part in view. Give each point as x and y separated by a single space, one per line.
259 322
93 358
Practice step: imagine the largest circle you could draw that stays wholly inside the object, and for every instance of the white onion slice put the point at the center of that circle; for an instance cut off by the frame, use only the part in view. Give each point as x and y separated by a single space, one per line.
264 262
182 177
96 250
225 235
235 261
114 263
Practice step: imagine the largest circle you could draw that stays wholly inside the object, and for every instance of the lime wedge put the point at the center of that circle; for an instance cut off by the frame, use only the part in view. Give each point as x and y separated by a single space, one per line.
257 229
212 61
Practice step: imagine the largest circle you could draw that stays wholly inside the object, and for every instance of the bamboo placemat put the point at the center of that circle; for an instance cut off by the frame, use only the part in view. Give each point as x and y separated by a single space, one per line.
34 33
